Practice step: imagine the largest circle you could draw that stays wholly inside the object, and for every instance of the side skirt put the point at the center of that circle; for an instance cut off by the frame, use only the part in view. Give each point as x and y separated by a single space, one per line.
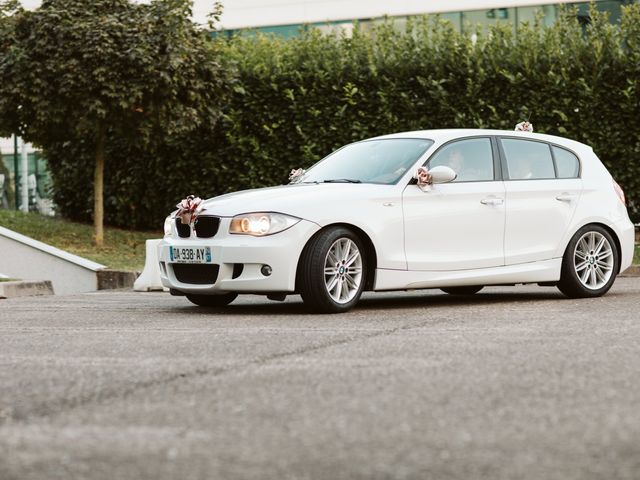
533 272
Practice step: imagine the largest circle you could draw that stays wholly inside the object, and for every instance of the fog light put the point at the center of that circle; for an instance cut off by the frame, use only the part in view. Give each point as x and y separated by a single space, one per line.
265 270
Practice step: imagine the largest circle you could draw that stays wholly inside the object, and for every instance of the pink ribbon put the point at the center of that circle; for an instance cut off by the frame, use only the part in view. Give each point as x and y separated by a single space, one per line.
188 209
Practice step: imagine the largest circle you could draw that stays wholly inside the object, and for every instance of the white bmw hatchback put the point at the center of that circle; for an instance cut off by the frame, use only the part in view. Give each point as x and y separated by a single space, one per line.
503 208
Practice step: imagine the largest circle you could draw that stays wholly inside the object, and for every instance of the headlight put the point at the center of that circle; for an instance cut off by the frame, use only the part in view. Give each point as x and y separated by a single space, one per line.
168 222
261 224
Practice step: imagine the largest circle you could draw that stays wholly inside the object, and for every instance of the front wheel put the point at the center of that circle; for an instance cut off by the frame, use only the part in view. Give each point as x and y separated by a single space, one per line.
466 290
212 300
333 271
590 263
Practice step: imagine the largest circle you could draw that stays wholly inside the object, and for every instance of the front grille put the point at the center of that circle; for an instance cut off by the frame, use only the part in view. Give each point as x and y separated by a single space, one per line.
194 273
184 230
207 227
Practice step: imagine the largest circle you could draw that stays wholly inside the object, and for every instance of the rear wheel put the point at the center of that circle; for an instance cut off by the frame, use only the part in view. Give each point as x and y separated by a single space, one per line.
590 263
333 271
212 300
466 290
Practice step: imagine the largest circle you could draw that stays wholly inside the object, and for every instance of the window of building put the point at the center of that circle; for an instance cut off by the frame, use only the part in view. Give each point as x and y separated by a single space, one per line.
455 18
529 14
486 18
612 7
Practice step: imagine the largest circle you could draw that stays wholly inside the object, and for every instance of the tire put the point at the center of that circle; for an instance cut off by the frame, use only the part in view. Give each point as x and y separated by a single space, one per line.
212 300
590 263
466 290
333 271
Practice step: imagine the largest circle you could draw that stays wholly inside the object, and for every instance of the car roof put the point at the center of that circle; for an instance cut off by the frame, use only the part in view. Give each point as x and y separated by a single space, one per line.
444 135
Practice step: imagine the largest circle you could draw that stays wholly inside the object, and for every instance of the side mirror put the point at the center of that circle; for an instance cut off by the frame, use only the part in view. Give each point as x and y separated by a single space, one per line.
442 174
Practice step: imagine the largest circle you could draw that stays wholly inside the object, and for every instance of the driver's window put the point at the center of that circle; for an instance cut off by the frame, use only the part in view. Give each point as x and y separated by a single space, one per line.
471 159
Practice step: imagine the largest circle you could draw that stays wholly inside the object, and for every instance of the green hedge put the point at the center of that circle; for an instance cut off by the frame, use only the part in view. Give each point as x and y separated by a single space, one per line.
294 101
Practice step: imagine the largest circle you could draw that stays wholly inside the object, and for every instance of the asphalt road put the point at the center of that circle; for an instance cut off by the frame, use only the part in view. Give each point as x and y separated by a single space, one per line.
513 383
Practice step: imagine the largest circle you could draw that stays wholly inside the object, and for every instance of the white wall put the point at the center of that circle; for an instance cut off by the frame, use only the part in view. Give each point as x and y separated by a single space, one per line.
27 259
6 146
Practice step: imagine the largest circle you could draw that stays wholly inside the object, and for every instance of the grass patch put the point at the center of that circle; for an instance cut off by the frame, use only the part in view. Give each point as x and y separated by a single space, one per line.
123 249
636 255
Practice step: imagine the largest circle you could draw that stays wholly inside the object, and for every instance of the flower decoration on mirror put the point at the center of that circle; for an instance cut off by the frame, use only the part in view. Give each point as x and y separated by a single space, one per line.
296 175
424 179
524 127
189 209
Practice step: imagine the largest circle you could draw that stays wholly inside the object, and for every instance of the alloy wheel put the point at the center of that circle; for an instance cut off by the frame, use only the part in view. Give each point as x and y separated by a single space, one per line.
343 270
593 260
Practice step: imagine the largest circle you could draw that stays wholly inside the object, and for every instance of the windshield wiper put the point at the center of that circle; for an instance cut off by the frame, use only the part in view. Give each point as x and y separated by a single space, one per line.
342 180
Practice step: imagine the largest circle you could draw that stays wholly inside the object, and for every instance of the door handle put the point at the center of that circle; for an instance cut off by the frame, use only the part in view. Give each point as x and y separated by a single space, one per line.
565 197
492 201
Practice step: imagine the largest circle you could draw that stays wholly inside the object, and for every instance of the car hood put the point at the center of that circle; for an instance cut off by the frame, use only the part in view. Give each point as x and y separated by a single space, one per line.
301 200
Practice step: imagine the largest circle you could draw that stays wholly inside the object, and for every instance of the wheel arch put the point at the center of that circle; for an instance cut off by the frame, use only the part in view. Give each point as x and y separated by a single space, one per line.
616 240
371 254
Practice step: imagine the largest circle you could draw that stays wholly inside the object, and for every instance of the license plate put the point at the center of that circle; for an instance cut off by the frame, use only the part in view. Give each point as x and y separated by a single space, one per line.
190 254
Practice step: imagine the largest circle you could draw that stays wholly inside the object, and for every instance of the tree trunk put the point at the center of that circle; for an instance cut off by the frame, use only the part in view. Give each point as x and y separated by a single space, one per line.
98 189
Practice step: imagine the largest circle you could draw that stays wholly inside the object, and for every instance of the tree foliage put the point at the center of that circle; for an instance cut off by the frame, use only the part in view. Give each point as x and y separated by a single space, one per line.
80 77
297 100
293 101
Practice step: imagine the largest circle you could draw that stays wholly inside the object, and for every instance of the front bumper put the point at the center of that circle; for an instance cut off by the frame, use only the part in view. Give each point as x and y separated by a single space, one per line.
280 251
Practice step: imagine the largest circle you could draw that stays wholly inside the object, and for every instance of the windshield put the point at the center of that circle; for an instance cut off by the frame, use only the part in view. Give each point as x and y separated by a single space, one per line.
382 161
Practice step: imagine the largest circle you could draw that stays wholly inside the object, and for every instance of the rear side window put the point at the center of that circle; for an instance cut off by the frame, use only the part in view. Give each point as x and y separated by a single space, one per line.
528 160
567 163
471 159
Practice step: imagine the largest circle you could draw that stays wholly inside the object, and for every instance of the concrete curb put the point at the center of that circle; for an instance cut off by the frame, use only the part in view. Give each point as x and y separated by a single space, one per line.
111 279
28 288
107 280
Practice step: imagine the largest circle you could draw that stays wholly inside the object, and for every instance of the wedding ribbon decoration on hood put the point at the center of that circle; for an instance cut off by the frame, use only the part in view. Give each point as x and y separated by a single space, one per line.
189 209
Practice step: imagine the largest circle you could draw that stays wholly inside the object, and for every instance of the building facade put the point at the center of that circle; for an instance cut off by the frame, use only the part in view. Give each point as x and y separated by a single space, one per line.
38 178
286 18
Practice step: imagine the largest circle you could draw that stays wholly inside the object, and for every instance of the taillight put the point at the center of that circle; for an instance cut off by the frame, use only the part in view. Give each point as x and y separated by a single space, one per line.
619 192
